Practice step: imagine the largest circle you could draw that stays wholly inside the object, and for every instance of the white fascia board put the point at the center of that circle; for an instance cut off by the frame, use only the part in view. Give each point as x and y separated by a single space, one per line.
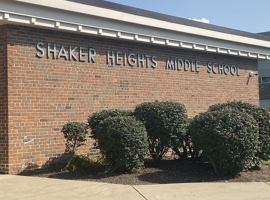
130 18
69 16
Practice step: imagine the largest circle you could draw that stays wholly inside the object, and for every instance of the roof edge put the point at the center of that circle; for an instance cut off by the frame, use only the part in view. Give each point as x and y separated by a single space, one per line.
169 18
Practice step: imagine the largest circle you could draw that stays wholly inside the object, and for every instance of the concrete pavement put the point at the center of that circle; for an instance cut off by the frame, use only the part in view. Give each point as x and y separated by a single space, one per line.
33 188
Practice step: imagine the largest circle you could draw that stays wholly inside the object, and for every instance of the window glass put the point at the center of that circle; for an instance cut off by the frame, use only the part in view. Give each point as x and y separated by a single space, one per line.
264 79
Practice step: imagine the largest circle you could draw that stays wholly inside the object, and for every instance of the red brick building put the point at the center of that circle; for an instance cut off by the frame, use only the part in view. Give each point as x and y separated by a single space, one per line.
61 61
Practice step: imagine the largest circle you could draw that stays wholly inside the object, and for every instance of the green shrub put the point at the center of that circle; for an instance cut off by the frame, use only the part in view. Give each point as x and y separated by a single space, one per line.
228 138
123 142
260 115
79 161
268 109
165 123
187 150
188 146
97 117
83 161
75 133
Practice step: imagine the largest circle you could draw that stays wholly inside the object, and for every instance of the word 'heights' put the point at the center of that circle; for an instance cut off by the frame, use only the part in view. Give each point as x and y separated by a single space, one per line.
122 58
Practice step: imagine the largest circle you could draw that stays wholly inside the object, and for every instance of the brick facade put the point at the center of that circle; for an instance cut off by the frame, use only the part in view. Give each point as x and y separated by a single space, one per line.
44 94
3 103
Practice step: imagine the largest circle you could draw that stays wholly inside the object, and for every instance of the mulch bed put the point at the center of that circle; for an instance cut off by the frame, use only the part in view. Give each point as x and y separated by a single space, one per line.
167 171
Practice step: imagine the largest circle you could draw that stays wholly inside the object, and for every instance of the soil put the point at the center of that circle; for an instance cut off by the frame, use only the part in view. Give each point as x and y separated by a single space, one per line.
167 171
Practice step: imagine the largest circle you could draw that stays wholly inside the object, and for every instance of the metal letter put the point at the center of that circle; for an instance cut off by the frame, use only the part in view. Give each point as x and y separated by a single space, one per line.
118 57
170 64
197 66
187 64
131 59
233 67
215 64
91 54
238 74
220 68
229 69
40 49
110 57
62 53
49 51
192 65
71 53
154 62
147 57
209 68
125 59
140 60
81 54
180 62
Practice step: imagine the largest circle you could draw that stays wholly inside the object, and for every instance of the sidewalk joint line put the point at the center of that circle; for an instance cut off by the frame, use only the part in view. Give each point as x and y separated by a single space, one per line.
139 192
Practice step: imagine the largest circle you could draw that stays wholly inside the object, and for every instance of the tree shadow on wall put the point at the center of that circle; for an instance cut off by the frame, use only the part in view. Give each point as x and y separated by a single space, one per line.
54 164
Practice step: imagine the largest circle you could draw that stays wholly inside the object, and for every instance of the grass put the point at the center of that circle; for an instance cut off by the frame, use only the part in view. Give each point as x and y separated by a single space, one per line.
83 161
267 162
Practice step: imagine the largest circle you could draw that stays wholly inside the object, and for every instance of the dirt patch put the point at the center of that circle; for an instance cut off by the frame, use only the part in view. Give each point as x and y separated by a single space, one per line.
167 171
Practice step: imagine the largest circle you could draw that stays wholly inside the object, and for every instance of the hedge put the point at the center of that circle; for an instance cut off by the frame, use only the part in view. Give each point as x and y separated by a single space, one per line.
165 123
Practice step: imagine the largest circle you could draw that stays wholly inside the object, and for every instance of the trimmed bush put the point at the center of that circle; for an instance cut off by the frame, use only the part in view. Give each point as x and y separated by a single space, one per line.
79 161
123 142
75 133
228 138
188 146
97 117
165 123
262 117
83 161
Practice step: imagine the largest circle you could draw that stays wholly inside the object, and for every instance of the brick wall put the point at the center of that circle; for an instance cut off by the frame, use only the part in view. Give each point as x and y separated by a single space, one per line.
3 103
44 93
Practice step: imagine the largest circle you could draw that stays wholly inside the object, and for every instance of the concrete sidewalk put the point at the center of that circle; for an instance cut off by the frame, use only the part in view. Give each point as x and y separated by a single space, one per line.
33 188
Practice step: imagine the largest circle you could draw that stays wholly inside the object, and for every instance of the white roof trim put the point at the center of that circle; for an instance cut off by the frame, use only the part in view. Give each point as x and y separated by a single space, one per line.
253 48
93 30
145 21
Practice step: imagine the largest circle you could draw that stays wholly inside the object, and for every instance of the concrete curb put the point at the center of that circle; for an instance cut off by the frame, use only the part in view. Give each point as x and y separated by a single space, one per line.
206 191
35 188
